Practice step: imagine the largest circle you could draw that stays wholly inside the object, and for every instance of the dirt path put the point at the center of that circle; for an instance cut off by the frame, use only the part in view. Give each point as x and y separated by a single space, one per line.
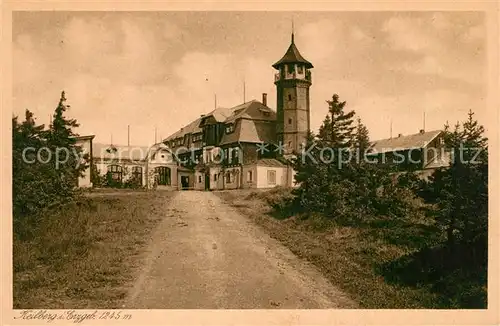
206 255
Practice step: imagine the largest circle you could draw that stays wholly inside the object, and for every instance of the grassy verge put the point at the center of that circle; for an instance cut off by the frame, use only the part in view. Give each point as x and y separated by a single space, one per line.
83 255
347 256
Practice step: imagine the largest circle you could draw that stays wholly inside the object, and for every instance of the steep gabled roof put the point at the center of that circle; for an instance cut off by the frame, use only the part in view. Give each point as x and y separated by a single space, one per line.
251 131
292 55
193 128
252 110
414 141
255 123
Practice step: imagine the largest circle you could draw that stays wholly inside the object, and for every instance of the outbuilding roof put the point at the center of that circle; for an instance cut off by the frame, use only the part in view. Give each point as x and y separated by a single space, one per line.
401 142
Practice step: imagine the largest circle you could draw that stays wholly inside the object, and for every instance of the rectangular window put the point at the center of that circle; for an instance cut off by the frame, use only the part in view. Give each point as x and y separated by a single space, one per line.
228 177
199 179
215 177
289 121
236 156
249 176
289 97
271 177
137 175
300 70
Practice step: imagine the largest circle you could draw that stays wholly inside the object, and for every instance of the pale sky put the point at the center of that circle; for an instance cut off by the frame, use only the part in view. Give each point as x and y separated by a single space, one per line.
147 69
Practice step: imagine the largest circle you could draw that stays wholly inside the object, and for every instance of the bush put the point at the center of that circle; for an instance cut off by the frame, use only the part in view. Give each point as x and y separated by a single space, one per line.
281 200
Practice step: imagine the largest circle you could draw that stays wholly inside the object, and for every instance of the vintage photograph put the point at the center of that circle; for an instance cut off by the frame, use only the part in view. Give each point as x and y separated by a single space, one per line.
249 160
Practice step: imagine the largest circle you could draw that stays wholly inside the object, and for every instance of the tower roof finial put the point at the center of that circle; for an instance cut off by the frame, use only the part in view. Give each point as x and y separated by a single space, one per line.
292 32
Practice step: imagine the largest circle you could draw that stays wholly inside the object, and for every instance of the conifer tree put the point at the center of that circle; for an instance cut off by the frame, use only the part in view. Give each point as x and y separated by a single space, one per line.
337 129
318 168
361 139
32 175
61 137
461 191
61 129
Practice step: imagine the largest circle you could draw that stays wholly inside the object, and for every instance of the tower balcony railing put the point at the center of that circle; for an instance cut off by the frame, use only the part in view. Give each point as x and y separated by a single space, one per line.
277 76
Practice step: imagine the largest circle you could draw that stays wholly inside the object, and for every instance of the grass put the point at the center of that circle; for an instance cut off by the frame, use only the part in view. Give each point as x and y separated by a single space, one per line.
84 255
349 257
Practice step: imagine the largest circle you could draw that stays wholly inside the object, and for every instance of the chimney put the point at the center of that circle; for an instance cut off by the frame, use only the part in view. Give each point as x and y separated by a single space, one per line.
400 135
422 131
264 99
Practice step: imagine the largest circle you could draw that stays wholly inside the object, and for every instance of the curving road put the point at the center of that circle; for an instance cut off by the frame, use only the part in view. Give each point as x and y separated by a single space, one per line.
206 255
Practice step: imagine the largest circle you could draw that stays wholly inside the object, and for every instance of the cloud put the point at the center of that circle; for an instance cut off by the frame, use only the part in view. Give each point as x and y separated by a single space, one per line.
409 34
427 65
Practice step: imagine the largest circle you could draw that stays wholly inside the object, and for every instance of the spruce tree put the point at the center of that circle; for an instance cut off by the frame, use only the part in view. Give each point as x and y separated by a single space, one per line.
361 139
460 192
61 138
320 172
337 129
32 175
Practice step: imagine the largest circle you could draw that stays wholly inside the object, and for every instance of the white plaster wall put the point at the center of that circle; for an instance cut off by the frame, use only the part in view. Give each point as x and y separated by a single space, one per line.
235 178
215 184
84 181
246 182
197 177
163 156
262 181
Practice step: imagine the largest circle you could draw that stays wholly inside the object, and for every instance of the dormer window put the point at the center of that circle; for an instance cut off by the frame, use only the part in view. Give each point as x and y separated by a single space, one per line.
229 128
197 138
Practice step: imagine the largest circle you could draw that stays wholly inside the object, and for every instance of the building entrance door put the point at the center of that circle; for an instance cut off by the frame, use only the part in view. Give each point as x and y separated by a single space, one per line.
207 181
184 182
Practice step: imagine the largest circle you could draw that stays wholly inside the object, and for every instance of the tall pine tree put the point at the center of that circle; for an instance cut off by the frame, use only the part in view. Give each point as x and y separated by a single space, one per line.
338 126
61 139
323 179
361 139
461 192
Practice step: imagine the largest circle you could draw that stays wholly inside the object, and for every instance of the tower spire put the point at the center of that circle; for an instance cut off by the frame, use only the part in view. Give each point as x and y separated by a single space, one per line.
292 32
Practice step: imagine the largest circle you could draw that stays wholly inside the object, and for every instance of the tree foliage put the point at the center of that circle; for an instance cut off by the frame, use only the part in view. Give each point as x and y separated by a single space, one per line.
460 192
447 214
338 126
333 177
46 164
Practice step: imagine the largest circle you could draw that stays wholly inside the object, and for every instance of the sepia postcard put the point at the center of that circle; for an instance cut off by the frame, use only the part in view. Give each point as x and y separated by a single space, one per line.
224 163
